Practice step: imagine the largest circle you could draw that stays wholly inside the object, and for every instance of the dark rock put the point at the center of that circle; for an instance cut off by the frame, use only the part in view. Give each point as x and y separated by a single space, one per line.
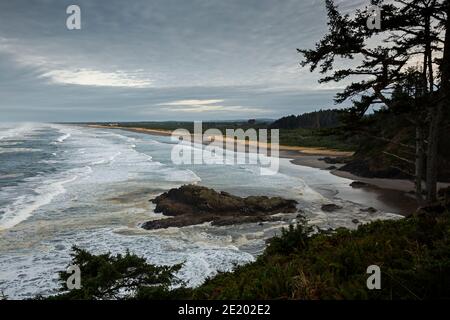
178 222
369 209
355 221
230 220
366 169
190 204
434 209
60 247
337 160
358 184
441 206
330 207
331 168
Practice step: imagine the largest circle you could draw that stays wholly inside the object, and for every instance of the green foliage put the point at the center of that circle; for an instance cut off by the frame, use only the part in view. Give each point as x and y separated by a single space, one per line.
334 138
413 254
317 119
292 239
331 138
163 293
3 296
106 276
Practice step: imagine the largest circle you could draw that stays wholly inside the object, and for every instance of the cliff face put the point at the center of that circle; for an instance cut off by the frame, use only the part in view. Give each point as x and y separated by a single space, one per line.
192 204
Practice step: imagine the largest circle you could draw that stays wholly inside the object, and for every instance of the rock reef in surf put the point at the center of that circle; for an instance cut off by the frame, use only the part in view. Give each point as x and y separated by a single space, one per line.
191 204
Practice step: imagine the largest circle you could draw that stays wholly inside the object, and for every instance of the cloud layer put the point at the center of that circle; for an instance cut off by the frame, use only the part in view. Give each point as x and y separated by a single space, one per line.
159 60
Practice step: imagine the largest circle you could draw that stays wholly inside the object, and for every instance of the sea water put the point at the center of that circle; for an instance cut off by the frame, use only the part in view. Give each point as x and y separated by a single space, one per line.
65 185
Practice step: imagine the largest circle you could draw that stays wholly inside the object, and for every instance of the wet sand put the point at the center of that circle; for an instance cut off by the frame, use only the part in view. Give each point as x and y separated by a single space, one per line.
158 132
283 148
394 193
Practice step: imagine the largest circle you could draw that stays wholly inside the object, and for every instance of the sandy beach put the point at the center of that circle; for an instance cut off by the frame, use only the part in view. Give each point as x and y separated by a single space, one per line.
286 150
313 160
396 193
96 191
140 130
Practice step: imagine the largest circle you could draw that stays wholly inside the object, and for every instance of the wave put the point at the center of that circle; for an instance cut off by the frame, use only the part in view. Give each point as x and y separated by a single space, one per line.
105 161
10 176
74 206
49 161
17 130
8 143
63 137
65 131
24 205
17 150
186 176
200 261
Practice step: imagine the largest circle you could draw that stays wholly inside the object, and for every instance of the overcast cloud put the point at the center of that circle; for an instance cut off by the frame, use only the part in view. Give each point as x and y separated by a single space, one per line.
160 60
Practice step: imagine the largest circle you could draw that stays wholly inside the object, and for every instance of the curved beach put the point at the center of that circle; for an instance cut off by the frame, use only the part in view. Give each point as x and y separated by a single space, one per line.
91 187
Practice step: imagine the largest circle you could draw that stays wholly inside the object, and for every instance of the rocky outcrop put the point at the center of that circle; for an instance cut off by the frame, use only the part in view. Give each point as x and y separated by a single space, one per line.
190 204
335 160
330 207
367 169
369 210
441 206
358 184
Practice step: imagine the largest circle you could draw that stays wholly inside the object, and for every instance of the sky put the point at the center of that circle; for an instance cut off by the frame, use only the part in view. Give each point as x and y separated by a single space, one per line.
151 60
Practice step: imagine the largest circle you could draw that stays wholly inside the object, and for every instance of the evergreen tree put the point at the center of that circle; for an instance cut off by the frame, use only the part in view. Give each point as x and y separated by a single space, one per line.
412 31
106 276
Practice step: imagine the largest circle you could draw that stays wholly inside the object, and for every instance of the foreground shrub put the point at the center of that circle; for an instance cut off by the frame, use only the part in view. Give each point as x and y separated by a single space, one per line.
116 277
412 253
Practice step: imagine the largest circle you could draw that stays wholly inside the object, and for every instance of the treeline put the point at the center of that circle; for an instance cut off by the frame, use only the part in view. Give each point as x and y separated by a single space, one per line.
311 120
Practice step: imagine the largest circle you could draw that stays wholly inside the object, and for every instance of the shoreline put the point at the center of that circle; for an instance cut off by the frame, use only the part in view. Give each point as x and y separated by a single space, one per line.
284 148
393 192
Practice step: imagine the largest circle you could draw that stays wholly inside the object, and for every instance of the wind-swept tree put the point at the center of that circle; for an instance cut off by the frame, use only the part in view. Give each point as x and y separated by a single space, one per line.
125 276
412 32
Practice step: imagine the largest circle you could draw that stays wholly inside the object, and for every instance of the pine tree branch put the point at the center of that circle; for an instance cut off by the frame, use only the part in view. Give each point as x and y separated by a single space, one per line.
398 157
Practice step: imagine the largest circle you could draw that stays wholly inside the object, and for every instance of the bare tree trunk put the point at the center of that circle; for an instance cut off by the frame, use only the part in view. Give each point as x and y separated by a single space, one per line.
419 163
429 53
432 153
436 117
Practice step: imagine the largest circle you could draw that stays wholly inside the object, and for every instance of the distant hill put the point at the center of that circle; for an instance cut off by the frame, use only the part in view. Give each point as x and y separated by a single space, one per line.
314 120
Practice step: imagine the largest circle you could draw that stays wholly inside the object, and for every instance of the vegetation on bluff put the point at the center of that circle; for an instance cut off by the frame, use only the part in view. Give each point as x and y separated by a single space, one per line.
326 137
106 276
413 254
315 120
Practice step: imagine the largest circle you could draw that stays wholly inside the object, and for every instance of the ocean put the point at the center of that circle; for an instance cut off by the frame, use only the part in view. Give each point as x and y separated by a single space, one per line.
63 186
